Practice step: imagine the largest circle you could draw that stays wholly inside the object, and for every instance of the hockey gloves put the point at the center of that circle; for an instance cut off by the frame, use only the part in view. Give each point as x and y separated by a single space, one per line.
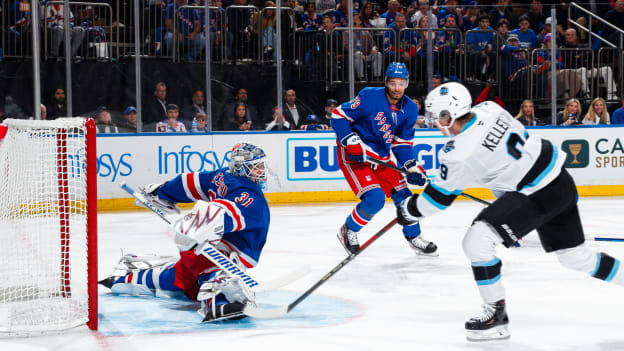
150 193
407 212
417 174
355 147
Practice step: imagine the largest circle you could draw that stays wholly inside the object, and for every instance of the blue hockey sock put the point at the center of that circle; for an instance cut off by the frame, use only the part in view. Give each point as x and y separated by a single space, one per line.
409 231
372 202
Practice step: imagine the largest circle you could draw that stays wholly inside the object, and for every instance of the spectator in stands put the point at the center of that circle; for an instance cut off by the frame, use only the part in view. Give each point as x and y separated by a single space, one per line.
311 20
580 60
239 37
104 122
171 124
238 122
55 21
330 105
421 121
312 124
197 106
423 9
13 110
269 36
340 16
291 22
502 31
568 84
536 16
450 44
156 108
190 38
514 59
471 17
130 120
526 115
390 15
278 121
368 14
19 27
526 35
407 40
251 111
618 115
44 112
548 30
616 18
501 10
420 52
217 24
294 113
365 51
200 125
480 53
571 114
58 107
450 8
597 113
325 6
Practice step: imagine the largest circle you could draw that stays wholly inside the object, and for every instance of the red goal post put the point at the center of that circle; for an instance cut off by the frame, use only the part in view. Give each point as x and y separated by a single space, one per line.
48 221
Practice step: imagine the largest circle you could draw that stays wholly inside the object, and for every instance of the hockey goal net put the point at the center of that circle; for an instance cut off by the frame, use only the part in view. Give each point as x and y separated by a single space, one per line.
48 232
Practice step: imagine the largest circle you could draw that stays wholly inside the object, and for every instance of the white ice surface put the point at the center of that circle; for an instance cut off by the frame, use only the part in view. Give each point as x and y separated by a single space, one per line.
388 298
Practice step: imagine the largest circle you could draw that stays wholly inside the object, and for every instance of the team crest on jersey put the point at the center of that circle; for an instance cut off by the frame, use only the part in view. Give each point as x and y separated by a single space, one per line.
355 102
450 145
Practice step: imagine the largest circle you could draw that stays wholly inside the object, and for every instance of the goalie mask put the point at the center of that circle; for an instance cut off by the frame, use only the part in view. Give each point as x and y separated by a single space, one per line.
447 102
247 160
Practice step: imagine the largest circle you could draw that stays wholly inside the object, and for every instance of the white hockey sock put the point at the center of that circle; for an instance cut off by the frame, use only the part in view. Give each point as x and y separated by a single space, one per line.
597 264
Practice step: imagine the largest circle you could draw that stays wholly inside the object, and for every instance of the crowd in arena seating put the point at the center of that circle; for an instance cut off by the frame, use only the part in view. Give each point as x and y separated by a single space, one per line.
501 46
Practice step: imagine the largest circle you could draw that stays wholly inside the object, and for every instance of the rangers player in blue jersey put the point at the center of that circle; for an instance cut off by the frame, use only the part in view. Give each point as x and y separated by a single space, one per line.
379 121
534 192
231 213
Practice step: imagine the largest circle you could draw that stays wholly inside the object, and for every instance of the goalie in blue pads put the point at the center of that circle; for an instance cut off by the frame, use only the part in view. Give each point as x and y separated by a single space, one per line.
231 214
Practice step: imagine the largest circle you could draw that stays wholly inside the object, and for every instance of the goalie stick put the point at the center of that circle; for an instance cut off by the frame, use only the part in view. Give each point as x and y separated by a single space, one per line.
388 165
220 260
259 312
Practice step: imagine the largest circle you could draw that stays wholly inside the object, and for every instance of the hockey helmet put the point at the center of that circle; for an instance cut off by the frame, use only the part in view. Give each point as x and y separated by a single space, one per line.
397 70
449 101
247 160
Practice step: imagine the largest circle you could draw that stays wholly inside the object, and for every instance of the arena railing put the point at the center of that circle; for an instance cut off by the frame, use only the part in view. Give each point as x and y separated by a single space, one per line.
237 21
217 38
91 18
313 55
288 42
372 65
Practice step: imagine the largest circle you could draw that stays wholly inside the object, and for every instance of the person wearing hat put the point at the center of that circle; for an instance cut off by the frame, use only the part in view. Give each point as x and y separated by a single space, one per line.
312 124
171 124
330 105
130 125
514 58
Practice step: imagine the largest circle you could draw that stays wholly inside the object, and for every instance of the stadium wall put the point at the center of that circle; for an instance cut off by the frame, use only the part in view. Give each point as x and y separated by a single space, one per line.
305 167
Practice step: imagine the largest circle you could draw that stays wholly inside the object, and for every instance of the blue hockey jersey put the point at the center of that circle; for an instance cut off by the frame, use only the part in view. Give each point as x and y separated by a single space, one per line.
380 125
247 212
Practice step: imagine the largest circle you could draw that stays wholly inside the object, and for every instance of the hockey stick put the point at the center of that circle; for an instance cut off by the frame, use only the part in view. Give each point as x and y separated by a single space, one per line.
220 260
259 312
388 165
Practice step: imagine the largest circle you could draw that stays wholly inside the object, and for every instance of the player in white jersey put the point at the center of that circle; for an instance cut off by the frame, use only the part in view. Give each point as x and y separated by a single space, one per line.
489 148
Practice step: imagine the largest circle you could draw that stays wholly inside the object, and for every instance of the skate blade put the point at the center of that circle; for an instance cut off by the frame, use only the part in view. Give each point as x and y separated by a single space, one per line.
227 317
421 253
344 245
496 333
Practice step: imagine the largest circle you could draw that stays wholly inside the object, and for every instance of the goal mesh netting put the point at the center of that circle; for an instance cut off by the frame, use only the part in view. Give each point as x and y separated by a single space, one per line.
47 226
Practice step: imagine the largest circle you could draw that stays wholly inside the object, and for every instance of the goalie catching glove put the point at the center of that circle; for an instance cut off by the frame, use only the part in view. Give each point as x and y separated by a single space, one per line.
417 174
150 194
355 147
205 223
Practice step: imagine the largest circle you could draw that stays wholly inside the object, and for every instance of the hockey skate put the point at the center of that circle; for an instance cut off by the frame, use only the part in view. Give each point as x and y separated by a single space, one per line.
490 325
348 238
422 246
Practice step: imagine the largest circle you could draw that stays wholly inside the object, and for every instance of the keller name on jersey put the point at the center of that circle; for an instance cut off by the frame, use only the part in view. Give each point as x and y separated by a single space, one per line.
494 136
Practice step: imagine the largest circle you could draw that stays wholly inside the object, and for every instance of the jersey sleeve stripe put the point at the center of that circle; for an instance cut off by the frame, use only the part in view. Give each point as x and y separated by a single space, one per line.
188 183
444 191
233 211
338 113
438 198
246 260
198 187
545 162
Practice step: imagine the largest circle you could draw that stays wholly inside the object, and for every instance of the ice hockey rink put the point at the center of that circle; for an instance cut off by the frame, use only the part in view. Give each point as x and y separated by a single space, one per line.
388 298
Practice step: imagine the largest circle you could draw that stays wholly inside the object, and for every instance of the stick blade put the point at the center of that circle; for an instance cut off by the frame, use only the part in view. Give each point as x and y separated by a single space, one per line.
265 313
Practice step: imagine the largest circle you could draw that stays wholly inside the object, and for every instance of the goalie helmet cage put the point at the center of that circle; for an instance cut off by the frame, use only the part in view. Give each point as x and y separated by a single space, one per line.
48 229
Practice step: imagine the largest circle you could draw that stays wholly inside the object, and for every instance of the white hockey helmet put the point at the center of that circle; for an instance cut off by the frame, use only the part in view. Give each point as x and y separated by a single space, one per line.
247 160
449 101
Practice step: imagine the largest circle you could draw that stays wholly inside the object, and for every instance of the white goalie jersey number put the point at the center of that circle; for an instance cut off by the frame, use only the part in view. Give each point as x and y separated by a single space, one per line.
205 223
